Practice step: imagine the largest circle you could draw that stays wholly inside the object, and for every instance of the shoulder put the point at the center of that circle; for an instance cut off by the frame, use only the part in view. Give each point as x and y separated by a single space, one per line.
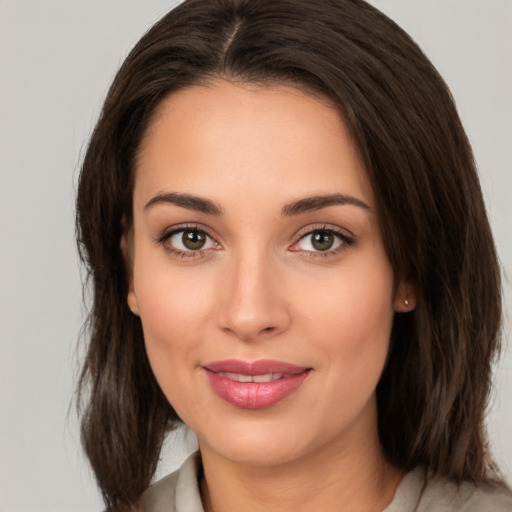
177 491
159 496
443 495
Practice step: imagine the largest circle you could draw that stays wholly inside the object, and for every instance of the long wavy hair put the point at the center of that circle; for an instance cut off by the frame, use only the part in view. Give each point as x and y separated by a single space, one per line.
433 393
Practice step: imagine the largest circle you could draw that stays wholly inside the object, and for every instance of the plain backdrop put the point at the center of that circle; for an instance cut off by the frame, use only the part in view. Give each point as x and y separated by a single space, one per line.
57 58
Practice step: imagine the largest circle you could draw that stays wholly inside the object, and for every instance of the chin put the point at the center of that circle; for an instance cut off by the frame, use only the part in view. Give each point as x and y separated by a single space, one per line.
263 453
267 444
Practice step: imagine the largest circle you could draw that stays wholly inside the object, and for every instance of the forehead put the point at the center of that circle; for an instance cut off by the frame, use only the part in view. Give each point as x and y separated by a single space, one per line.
242 138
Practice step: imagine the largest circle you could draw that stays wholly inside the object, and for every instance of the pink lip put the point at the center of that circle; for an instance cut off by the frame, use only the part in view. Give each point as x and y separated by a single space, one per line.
254 395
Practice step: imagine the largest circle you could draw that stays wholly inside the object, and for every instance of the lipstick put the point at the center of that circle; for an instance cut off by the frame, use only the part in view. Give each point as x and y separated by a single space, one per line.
254 385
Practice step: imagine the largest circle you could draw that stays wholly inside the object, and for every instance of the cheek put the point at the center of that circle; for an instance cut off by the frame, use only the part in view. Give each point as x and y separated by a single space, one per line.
357 297
354 320
174 311
355 343
171 299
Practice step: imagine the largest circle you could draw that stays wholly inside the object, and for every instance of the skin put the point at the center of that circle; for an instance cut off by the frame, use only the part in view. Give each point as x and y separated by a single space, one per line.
259 289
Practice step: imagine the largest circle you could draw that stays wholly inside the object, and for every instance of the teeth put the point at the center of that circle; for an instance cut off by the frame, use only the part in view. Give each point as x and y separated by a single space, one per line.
238 377
268 377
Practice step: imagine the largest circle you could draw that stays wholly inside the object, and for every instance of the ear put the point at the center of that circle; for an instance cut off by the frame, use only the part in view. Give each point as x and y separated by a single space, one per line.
406 297
127 251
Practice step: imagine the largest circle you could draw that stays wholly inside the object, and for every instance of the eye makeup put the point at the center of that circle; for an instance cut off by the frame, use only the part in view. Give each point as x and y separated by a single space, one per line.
187 241
194 241
321 241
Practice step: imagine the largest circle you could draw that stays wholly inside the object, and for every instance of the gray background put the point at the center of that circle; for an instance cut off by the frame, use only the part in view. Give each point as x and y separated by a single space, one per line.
57 58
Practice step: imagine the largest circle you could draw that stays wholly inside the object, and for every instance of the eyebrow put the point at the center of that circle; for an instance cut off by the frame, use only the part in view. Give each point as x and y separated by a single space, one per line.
186 201
208 207
317 202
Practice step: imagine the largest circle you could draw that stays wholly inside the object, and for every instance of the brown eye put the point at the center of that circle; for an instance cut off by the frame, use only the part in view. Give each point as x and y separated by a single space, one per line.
194 240
322 240
189 240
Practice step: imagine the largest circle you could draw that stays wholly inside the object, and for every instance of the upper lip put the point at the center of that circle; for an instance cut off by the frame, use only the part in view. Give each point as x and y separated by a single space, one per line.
260 367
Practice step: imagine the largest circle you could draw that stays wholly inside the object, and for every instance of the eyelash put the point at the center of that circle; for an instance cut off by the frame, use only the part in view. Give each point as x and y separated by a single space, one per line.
167 235
344 239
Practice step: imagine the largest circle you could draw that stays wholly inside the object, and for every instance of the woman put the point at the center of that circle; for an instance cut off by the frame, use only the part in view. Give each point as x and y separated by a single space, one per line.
290 253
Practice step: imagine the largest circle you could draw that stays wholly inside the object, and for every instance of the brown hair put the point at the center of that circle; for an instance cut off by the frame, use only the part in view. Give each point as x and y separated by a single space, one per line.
433 393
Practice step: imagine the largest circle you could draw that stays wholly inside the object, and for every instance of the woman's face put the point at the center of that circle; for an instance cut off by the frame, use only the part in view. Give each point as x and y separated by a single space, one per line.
259 272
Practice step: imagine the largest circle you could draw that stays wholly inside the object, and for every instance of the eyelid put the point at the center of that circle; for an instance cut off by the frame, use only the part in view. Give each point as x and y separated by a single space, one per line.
311 228
347 239
170 231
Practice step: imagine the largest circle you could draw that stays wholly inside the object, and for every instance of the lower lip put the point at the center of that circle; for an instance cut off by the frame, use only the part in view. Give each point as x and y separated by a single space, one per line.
255 395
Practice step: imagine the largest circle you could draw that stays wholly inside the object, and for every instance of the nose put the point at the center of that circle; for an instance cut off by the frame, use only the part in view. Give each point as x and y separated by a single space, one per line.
253 300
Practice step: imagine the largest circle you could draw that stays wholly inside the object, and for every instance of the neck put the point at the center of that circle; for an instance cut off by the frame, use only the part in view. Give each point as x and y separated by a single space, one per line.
352 472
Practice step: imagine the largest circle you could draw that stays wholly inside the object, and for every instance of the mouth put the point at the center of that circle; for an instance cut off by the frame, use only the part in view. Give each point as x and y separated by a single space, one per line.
240 377
254 385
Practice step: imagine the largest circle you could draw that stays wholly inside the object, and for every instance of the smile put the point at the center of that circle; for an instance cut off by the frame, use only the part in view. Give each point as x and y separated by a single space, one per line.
240 377
255 385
